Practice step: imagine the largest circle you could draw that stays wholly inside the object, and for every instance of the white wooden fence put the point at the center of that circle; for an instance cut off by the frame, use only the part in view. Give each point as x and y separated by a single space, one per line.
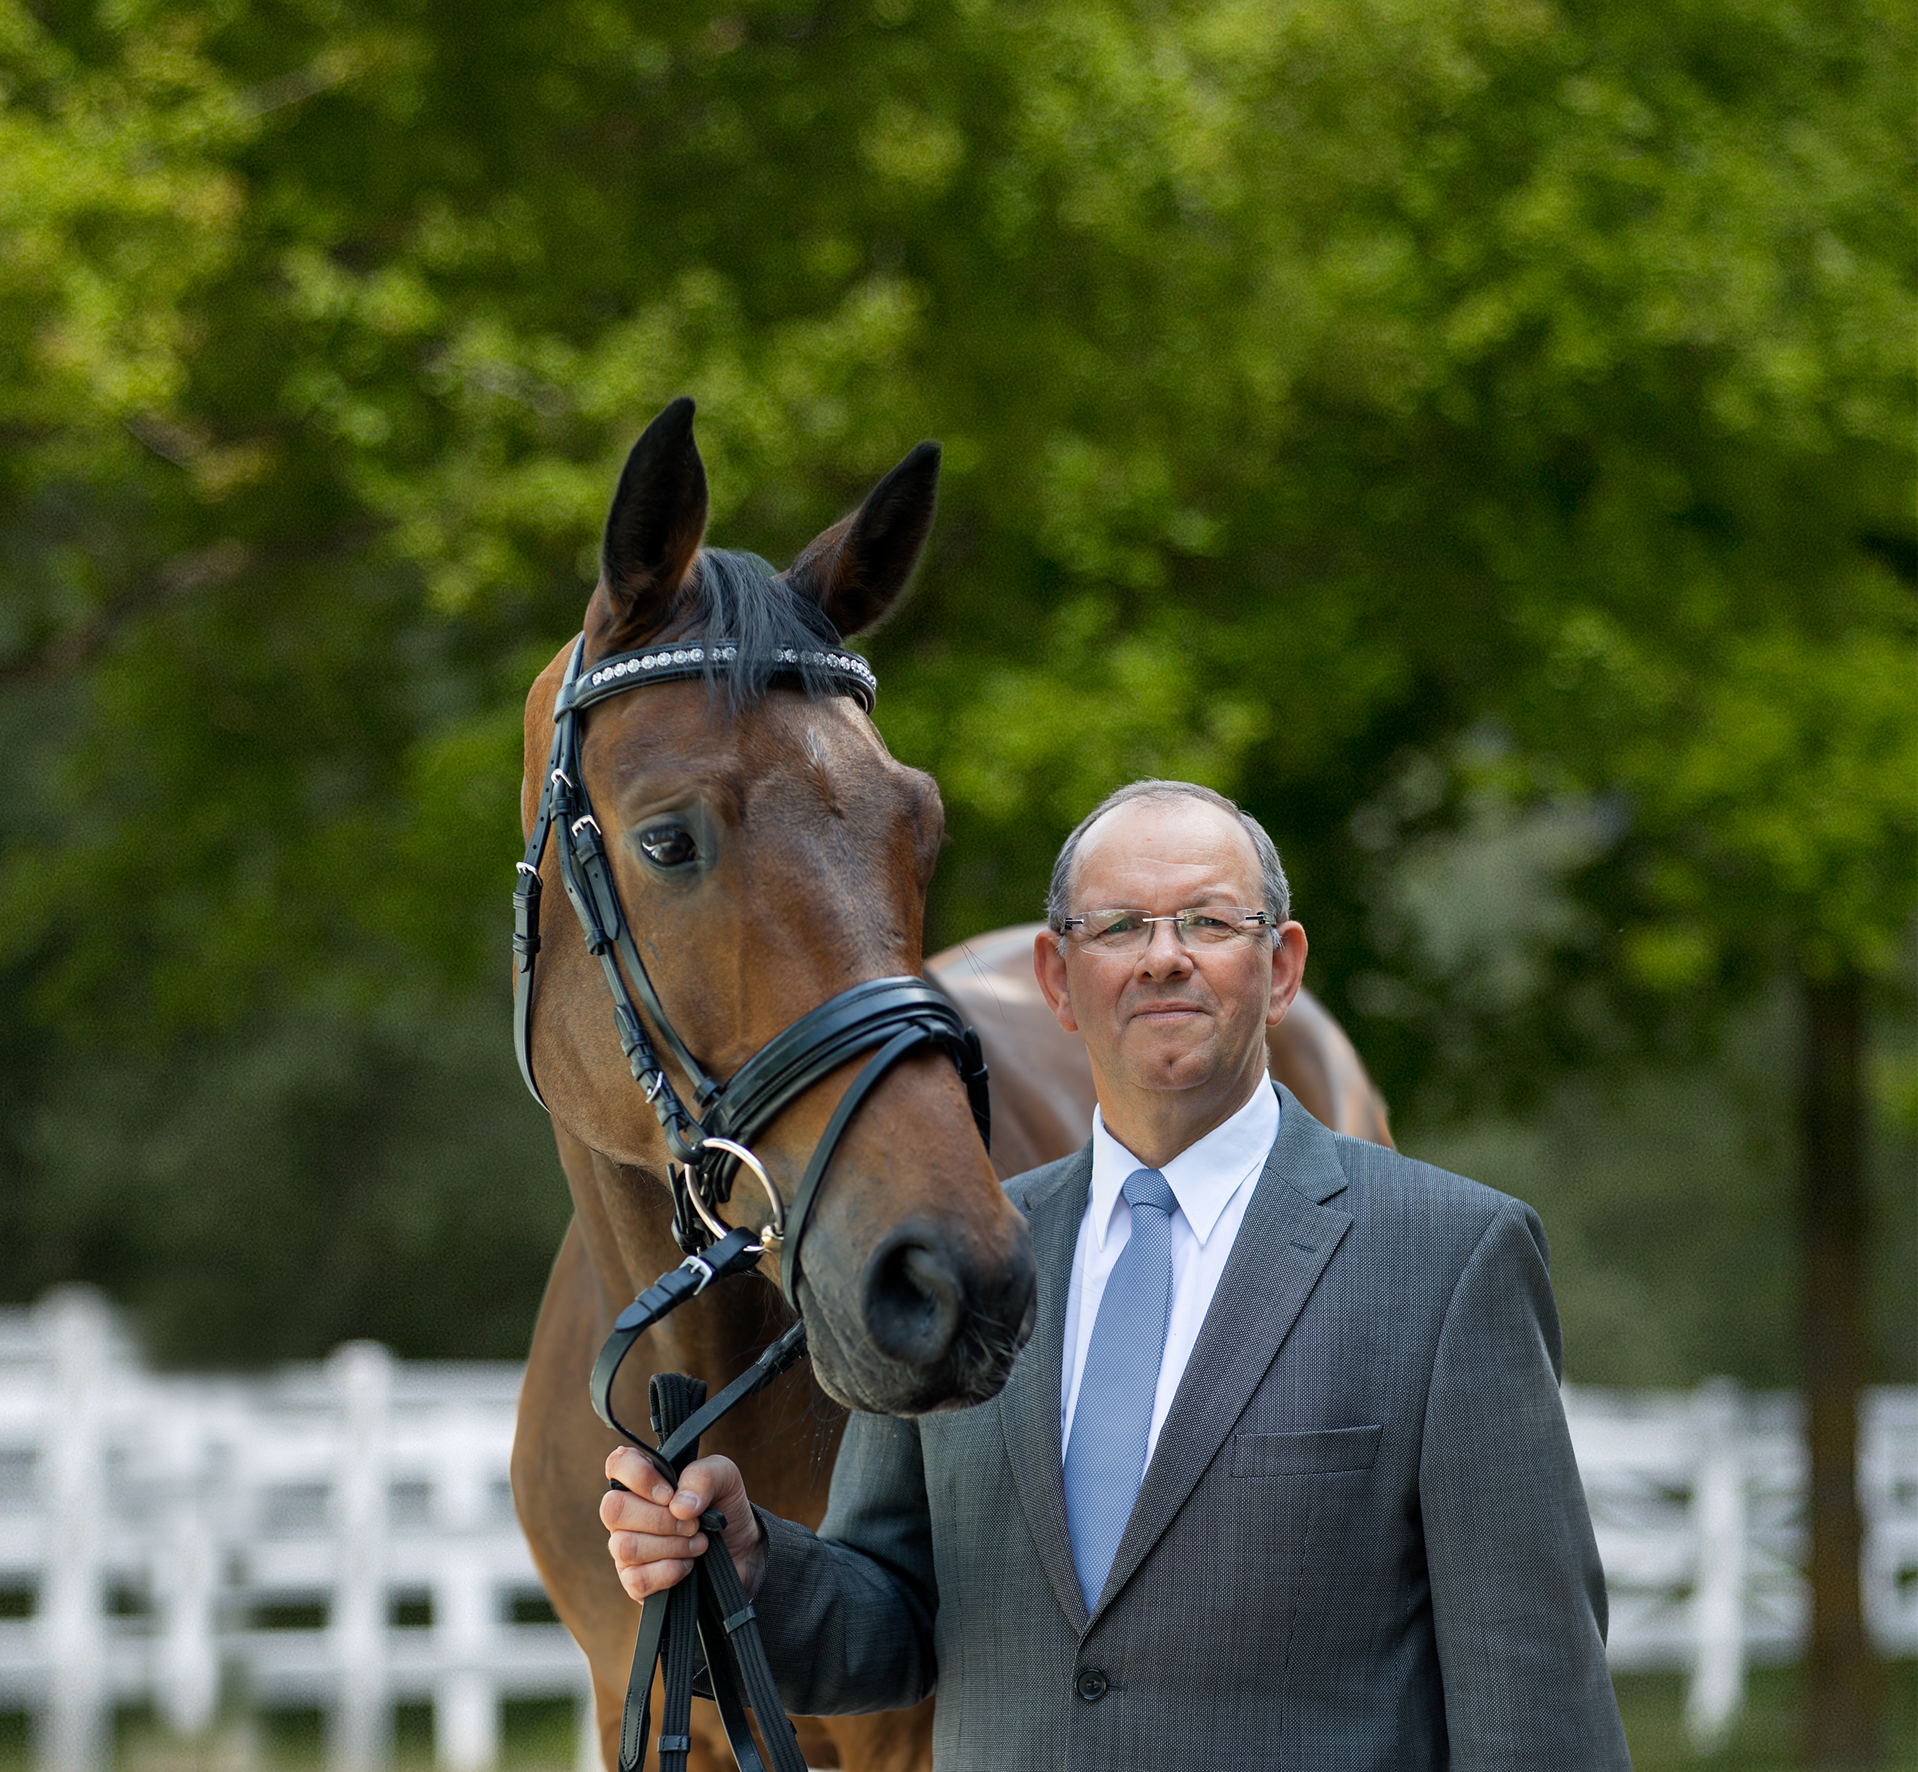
342 1536
339 1536
1698 1502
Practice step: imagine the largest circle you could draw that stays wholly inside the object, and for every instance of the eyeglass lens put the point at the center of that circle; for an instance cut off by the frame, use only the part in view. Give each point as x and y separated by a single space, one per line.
1127 931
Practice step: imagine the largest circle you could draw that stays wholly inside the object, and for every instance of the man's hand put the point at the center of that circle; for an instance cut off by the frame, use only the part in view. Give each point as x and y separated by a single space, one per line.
655 1530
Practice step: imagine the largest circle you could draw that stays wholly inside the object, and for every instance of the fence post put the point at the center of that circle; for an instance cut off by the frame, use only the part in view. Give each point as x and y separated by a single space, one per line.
75 1732
465 1605
362 1717
186 1561
586 1754
1718 1590
1888 1493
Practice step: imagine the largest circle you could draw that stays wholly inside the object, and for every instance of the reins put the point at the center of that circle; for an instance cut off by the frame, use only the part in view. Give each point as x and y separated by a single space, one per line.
707 1145
708 1608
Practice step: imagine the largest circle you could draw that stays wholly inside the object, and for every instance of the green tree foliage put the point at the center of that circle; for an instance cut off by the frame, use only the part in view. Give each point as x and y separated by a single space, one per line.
1440 425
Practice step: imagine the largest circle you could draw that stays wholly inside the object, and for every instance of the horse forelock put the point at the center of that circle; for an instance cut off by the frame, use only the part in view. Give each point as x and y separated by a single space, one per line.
738 596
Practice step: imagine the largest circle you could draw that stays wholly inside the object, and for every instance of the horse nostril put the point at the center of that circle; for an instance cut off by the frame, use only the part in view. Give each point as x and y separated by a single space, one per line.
915 1299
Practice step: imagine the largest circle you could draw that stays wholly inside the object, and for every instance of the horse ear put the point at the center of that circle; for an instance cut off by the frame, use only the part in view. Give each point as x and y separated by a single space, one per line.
857 568
653 529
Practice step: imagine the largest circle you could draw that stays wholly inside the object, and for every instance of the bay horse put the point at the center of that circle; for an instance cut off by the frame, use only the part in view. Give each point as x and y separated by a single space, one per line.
767 853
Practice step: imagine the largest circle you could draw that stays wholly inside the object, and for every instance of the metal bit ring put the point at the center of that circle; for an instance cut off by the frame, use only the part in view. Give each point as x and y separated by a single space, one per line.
772 1235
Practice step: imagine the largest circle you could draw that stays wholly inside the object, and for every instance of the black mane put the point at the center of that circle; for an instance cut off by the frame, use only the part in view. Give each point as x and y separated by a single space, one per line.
738 596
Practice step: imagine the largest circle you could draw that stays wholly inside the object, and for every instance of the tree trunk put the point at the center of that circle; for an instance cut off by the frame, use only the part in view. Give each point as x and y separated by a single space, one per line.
1842 1676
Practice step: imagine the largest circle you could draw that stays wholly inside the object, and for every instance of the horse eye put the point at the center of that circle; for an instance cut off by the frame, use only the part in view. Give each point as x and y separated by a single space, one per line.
668 845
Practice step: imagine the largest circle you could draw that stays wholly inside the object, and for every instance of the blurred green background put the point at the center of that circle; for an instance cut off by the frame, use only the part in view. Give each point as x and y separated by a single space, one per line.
1477 435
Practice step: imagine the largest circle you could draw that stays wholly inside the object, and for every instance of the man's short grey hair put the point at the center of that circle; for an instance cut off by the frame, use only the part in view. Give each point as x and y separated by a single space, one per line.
1278 895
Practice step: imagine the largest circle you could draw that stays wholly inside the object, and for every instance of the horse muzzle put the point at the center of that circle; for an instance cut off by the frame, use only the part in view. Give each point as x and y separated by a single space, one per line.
928 1324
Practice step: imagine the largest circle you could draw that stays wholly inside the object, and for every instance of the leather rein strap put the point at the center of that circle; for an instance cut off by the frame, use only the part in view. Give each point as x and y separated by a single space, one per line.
888 1016
707 1611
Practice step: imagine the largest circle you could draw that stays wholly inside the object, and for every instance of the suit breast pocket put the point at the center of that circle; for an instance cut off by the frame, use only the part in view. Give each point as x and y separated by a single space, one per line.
1307 1454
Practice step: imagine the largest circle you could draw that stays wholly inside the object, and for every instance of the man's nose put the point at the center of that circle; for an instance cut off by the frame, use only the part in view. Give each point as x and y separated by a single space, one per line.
1165 954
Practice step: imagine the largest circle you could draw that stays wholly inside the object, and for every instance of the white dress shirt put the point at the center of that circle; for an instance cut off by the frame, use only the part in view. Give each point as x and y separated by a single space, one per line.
1213 1182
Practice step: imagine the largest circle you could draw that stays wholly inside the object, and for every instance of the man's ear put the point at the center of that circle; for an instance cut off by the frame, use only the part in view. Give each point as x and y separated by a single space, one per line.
1049 967
652 534
857 568
1288 971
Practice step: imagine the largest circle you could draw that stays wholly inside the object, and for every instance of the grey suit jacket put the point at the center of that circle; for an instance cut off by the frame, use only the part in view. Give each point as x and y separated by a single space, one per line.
1361 1541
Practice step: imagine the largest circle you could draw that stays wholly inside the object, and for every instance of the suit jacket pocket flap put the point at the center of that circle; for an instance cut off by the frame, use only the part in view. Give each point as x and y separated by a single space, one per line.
1297 1455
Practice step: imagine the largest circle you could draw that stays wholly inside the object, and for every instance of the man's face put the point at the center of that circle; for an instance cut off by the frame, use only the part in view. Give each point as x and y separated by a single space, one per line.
1170 1018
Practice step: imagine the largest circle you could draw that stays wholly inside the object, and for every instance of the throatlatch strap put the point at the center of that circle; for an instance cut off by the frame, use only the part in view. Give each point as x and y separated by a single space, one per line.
708 1611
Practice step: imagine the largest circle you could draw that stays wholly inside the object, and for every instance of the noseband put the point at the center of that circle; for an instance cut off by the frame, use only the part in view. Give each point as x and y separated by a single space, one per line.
889 1017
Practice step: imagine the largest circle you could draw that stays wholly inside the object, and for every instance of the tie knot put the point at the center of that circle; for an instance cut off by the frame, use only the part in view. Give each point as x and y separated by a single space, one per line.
1147 1187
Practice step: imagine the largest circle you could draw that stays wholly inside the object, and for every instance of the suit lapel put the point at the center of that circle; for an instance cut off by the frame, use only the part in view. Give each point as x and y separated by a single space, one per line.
1029 1404
1284 1242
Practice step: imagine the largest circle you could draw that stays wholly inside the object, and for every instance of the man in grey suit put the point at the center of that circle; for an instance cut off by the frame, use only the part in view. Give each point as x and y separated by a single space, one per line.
1282 1478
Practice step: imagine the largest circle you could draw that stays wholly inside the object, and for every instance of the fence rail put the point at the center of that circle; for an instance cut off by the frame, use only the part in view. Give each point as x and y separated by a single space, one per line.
341 1536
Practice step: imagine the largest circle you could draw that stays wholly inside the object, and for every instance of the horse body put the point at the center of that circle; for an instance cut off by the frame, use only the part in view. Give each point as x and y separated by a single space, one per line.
768 853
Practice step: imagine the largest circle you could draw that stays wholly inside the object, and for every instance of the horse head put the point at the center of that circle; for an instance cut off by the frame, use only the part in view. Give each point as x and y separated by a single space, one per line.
767 853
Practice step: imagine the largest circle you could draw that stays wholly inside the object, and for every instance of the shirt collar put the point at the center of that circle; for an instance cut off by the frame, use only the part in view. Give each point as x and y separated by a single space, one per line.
1202 1177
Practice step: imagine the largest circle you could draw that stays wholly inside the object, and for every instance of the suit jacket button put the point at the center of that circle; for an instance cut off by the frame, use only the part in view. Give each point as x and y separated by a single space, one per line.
1092 1685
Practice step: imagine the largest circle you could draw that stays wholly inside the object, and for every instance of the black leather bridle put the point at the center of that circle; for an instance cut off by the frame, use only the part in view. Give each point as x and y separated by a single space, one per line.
889 1017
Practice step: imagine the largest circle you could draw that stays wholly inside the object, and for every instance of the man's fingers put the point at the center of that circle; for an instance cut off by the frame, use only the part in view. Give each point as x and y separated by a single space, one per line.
647 1562
620 1511
653 1526
651 1547
698 1482
642 1580
639 1474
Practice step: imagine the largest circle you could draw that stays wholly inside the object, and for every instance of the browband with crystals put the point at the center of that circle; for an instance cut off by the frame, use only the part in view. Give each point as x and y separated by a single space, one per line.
845 672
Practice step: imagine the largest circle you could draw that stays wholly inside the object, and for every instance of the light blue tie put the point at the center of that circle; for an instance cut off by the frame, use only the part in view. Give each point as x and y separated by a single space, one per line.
1113 1417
